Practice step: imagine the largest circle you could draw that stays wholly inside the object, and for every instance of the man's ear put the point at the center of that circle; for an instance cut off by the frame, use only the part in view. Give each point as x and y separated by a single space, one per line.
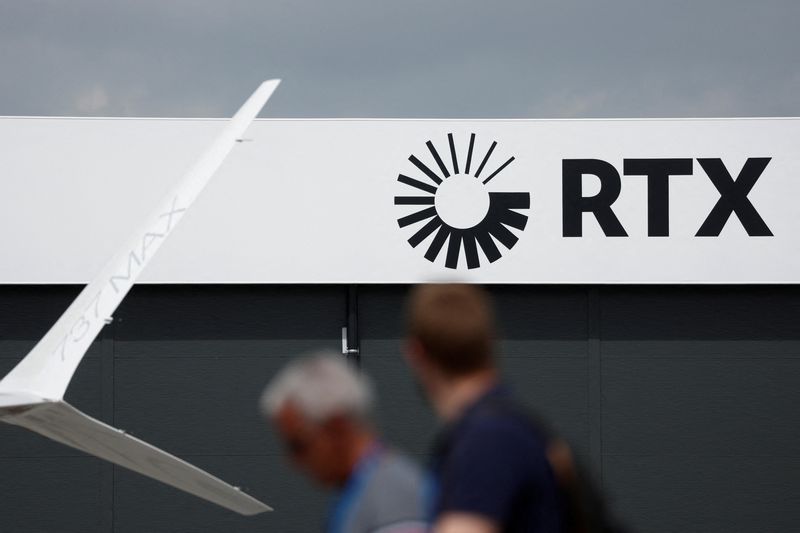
414 353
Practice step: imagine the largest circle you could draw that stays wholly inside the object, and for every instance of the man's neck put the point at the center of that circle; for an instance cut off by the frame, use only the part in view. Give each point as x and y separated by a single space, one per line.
454 395
362 444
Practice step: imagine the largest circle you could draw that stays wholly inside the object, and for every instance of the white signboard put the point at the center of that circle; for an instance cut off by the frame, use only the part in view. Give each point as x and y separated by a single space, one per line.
396 201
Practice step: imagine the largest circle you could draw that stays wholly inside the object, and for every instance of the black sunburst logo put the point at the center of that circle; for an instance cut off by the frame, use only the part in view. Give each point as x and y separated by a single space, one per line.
461 208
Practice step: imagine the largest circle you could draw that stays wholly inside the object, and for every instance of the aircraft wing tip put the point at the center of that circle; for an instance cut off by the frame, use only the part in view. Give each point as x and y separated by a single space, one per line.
262 508
271 83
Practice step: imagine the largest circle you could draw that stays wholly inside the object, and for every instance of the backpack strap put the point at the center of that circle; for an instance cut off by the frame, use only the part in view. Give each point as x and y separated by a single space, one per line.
584 506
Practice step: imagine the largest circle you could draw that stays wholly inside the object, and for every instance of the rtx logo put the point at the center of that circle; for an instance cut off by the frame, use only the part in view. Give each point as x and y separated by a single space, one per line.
452 203
732 194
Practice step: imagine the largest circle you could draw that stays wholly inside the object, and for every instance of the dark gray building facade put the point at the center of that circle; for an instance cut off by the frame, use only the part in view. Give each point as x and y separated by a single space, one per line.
681 399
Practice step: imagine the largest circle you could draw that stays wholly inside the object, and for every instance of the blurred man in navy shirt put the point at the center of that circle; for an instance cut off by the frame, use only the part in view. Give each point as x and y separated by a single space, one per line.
490 467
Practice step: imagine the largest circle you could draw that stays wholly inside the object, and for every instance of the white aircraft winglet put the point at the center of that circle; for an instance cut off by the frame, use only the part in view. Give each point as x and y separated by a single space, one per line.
32 394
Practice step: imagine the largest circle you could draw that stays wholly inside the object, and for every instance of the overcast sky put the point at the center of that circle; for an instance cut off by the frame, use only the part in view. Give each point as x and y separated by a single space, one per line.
405 58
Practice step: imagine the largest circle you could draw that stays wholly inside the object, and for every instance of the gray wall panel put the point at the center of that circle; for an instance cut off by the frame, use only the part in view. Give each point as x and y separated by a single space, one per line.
278 347
196 405
701 407
228 312
541 348
403 416
555 389
59 494
541 312
698 429
700 313
702 494
523 312
702 349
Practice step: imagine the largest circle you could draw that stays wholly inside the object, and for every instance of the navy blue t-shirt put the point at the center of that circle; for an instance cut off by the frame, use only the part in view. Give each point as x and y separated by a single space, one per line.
492 462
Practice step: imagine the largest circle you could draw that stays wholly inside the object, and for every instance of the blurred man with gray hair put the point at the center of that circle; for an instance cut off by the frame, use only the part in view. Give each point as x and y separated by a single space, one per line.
321 408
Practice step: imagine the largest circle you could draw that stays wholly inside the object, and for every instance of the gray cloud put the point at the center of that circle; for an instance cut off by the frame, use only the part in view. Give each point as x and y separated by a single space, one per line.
414 58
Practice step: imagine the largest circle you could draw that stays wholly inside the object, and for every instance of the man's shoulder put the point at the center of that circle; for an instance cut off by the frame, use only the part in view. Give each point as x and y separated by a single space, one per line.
393 495
501 418
498 437
397 468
